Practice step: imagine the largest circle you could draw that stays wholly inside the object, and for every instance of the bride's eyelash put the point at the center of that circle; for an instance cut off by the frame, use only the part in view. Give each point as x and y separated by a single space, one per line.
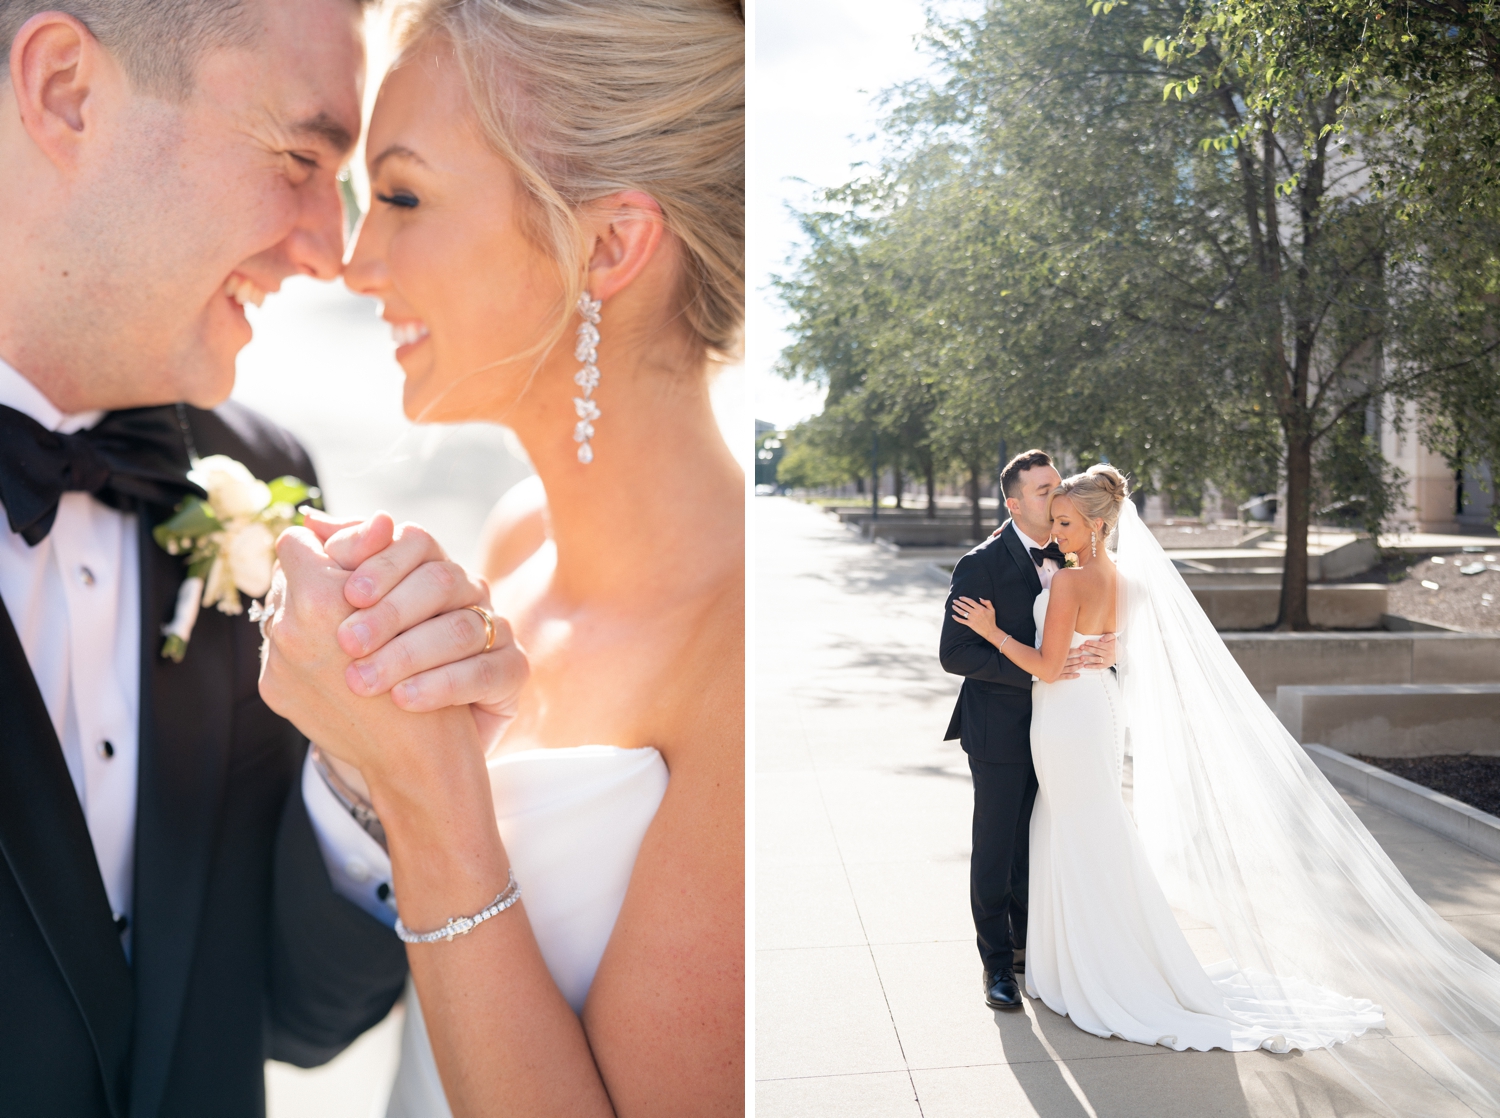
405 201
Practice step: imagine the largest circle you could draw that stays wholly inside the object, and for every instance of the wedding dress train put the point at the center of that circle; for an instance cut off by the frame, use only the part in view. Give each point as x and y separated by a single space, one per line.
1102 945
572 821
1234 824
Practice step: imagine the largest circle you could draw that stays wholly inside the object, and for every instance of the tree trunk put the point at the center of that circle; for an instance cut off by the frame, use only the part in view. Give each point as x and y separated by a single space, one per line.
975 531
931 473
1298 514
900 483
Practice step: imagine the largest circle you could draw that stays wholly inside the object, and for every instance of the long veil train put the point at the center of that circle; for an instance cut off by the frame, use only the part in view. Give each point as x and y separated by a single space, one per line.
1244 832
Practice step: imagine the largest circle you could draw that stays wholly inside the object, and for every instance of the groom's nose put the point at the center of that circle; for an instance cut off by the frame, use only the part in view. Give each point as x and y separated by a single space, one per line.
315 246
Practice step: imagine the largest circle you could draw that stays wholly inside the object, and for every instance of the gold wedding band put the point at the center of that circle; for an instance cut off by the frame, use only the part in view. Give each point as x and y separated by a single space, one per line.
489 626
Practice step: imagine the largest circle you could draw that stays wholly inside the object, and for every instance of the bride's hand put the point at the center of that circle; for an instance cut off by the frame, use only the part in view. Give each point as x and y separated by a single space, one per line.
303 673
979 616
412 633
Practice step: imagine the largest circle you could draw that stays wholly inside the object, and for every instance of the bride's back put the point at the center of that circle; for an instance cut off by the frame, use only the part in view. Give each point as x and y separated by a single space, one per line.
1097 586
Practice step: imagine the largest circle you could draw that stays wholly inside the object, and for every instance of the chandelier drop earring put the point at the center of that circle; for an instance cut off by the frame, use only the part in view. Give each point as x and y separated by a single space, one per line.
1093 544
587 378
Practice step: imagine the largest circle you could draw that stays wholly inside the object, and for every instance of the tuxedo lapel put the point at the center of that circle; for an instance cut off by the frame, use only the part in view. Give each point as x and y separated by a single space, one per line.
1022 558
186 713
44 839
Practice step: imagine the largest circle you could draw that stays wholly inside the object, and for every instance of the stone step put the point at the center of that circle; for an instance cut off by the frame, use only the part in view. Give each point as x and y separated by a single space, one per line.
1394 719
1237 606
1273 660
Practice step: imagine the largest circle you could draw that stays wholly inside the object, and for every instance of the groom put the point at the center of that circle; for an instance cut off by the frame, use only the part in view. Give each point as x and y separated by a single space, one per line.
175 882
993 717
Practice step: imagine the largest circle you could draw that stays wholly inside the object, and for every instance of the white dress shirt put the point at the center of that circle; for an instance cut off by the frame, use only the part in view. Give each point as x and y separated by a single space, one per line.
74 600
1048 568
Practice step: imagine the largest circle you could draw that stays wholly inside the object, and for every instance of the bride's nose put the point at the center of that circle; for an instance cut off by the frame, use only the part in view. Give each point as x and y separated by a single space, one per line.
365 271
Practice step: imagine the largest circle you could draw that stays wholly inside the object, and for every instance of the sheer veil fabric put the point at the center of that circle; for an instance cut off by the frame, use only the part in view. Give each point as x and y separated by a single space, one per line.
1244 832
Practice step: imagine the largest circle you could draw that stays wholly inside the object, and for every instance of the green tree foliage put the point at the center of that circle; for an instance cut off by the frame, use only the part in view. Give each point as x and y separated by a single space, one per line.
1098 234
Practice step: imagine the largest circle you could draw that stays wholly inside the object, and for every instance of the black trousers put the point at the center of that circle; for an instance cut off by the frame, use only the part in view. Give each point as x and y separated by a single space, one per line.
1003 798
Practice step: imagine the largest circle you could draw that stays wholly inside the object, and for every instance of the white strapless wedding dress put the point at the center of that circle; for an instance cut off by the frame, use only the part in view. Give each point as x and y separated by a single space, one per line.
572 821
1102 945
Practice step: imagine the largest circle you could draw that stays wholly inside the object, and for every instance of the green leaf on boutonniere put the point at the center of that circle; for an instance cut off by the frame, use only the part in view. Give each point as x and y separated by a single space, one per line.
193 520
227 542
288 490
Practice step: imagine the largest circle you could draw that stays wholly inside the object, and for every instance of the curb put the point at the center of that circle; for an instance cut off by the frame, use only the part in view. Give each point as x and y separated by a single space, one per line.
1465 825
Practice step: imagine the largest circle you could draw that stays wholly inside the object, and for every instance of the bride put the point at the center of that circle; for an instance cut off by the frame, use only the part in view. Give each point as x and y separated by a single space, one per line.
557 238
1232 822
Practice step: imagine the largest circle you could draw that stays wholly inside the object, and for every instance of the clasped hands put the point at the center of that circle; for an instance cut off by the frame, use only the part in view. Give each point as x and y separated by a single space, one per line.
979 615
369 628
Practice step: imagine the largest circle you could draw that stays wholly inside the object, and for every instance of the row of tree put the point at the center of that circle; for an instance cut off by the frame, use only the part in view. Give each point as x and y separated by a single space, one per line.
1214 243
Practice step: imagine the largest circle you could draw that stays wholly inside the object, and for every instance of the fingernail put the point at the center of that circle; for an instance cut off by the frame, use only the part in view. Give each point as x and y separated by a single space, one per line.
403 693
367 674
363 586
361 634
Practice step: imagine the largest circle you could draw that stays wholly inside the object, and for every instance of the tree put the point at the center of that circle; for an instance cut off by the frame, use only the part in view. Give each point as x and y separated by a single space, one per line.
1204 287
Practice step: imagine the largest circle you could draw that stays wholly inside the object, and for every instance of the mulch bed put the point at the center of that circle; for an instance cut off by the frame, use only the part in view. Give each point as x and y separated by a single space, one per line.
1467 778
1469 602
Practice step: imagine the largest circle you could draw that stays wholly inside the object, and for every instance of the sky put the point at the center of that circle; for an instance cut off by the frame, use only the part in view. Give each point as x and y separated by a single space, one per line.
819 67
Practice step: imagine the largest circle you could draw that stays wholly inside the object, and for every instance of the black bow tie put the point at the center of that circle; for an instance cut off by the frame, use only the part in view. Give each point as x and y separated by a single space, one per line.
1049 552
131 458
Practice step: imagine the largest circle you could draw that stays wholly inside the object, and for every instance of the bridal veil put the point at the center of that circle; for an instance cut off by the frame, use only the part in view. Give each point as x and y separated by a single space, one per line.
1245 833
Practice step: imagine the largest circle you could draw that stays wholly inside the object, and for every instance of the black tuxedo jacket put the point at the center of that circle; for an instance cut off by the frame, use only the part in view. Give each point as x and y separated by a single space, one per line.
992 719
240 948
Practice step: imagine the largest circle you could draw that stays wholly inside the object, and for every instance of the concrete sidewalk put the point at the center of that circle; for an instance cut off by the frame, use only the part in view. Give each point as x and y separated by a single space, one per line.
868 998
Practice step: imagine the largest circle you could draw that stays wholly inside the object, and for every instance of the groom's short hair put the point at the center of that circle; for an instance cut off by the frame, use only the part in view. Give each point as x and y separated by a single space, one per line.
1010 477
158 42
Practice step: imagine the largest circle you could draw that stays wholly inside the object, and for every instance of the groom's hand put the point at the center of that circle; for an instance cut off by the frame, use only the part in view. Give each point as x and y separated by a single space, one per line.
1095 654
412 633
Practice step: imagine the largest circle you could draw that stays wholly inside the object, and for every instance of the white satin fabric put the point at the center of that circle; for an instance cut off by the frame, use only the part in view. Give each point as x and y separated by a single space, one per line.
1102 945
572 821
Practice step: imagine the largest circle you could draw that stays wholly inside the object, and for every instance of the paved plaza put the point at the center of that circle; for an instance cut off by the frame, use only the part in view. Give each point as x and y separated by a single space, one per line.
867 996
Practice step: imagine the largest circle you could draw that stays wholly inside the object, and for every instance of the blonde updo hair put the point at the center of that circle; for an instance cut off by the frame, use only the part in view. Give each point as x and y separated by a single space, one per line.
1097 494
587 98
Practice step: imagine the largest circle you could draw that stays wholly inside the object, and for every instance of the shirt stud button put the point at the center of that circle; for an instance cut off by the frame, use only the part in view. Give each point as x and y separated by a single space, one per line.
86 576
106 749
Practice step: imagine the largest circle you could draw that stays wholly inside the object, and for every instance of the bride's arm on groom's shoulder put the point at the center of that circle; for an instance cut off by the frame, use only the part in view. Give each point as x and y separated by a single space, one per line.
961 650
1048 663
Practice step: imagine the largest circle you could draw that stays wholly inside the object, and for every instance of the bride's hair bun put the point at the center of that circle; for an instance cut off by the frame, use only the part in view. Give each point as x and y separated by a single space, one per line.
1110 480
1097 494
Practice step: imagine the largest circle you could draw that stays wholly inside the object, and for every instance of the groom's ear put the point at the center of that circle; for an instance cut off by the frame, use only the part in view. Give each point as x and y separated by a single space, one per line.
55 63
628 231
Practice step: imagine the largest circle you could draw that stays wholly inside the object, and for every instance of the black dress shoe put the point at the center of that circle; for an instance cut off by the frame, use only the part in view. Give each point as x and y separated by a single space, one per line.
1001 990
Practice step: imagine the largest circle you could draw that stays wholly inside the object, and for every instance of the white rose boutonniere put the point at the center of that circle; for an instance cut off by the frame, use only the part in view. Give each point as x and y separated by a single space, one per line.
229 541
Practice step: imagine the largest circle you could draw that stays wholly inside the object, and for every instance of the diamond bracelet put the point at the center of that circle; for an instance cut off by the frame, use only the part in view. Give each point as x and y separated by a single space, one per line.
462 925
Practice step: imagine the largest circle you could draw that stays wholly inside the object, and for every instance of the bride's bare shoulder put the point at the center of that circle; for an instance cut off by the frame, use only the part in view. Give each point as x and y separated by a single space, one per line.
514 529
701 710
